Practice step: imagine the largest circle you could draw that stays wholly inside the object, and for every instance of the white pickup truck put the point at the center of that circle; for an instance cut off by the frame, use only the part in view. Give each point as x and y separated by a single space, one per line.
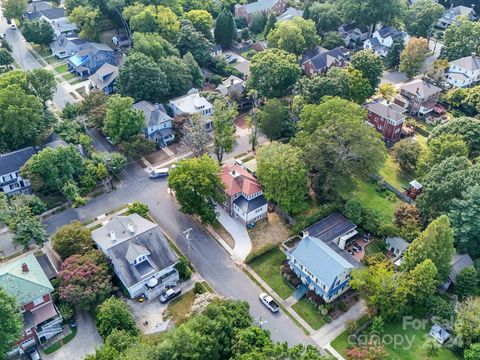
268 301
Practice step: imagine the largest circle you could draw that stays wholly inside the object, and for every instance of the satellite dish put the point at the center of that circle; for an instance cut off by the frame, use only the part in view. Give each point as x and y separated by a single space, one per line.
152 282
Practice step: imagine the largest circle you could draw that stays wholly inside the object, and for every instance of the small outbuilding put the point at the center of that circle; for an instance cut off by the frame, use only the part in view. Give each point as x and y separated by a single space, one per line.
439 334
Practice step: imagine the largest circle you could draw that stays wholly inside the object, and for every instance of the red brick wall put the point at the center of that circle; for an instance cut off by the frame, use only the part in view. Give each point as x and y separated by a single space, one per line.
387 130
31 306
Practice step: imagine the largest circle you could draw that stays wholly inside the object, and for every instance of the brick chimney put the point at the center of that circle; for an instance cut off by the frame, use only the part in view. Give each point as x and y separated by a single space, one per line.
25 268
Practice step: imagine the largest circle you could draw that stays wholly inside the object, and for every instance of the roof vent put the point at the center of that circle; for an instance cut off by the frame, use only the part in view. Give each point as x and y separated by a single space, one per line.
113 236
131 228
25 268
305 234
234 174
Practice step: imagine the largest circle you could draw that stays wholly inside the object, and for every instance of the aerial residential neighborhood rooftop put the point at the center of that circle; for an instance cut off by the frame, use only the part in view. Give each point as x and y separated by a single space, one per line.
177 177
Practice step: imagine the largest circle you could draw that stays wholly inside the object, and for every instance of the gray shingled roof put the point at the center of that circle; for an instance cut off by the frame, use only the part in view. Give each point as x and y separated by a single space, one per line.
160 257
100 77
259 5
397 242
154 114
459 262
388 111
14 160
55 13
469 63
420 87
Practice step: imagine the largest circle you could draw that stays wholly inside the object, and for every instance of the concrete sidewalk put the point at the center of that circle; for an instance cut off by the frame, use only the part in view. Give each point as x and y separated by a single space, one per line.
243 244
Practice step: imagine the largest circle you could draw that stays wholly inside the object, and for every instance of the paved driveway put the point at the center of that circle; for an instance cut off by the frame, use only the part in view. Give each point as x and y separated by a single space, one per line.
83 344
243 244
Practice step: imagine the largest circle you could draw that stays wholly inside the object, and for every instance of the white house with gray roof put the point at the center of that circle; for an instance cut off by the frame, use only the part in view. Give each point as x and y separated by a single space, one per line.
141 257
452 15
193 103
320 259
158 124
383 38
64 46
11 181
463 72
57 18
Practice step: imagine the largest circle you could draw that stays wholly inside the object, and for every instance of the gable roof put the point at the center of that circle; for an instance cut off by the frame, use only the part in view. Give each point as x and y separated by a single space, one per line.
459 262
25 286
250 205
289 14
469 63
397 242
105 75
191 102
54 13
14 160
322 58
155 114
458 11
238 180
320 259
259 5
61 42
421 88
151 243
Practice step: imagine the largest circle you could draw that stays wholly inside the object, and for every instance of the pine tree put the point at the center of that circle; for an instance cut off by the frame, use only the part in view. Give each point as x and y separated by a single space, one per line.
224 28
270 25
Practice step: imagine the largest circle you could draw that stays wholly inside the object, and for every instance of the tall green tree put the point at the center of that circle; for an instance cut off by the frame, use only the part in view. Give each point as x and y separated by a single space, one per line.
223 127
114 314
273 71
153 45
202 21
195 71
14 9
464 215
392 59
461 39
370 66
423 282
294 36
179 75
273 117
407 152
371 12
467 128
326 16
467 322
42 84
141 78
283 176
224 28
434 243
87 18
472 352
11 326
6 57
29 229
412 58
196 182
422 16
259 20
467 283
194 42
122 121
71 239
270 25
38 32
195 135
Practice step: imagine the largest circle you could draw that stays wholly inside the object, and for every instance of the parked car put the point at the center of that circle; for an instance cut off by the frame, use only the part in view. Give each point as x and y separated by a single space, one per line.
33 354
232 60
170 294
13 25
159 173
109 139
2 36
228 56
268 301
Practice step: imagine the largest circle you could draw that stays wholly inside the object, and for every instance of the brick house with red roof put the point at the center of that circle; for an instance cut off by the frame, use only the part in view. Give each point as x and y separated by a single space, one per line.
244 196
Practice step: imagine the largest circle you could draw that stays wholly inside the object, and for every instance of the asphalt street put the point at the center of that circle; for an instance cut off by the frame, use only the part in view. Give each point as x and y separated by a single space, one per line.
27 61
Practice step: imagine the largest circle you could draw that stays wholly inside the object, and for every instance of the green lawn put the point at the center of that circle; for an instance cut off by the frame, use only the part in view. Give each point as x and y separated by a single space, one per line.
267 266
42 52
62 68
397 350
341 343
365 191
69 76
76 81
51 60
309 313
377 246
392 173
179 308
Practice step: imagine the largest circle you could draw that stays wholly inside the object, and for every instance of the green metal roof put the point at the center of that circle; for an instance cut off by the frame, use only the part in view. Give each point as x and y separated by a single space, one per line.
25 286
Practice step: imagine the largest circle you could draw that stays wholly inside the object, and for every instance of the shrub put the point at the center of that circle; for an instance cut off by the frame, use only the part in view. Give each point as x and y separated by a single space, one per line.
199 288
182 267
66 311
216 79
342 306
138 208
351 326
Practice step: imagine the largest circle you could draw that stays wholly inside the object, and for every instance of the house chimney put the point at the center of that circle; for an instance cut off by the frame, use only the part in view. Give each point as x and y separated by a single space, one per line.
231 81
131 228
113 236
305 234
25 267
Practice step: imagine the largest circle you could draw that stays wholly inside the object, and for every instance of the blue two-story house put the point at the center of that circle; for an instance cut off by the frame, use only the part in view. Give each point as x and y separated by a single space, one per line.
89 59
320 259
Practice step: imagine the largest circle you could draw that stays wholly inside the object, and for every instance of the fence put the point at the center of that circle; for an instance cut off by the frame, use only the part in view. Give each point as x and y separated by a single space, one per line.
421 131
285 217
393 189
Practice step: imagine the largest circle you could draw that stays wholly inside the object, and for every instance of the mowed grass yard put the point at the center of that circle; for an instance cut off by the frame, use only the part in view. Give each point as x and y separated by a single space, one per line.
398 350
392 173
267 266
365 191
179 308
309 313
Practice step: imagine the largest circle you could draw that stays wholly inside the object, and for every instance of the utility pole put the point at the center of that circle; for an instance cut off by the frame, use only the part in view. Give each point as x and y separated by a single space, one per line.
187 237
254 120
260 322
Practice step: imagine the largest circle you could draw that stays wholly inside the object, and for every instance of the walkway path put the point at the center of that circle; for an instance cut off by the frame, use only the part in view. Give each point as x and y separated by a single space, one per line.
330 331
243 244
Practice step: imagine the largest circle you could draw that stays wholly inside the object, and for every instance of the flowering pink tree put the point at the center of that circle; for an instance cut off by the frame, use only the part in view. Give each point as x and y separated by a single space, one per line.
85 280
